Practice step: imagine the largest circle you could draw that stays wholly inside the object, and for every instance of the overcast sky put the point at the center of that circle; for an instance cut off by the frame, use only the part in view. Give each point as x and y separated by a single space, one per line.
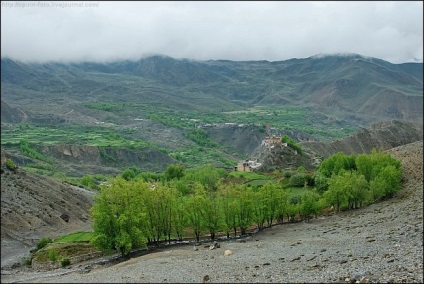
107 31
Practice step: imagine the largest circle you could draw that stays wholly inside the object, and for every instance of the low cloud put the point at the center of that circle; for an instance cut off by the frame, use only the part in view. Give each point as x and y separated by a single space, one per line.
109 31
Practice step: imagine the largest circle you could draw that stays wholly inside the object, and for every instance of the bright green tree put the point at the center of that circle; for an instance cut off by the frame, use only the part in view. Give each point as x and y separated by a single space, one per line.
194 207
310 205
174 171
229 208
117 216
386 183
336 195
357 190
179 216
281 201
207 175
212 213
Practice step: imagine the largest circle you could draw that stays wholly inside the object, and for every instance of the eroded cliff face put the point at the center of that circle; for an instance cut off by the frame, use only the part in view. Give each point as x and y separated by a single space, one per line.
82 159
383 135
242 139
73 153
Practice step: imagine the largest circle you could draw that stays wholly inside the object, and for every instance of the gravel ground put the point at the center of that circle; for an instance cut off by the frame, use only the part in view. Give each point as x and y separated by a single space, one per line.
380 243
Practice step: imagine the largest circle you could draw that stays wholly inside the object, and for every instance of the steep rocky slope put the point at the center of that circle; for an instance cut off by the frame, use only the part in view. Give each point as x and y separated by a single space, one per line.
79 160
35 206
382 135
411 157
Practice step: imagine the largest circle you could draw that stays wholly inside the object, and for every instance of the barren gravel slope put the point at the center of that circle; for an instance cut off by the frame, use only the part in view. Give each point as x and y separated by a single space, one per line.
35 206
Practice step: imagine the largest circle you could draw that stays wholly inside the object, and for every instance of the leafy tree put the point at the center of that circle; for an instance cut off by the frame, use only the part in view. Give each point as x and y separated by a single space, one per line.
336 163
269 200
292 210
179 220
287 173
321 182
310 205
392 176
300 179
245 202
174 171
260 208
227 195
168 206
239 212
157 203
194 207
212 213
150 176
357 191
182 186
386 183
281 201
87 181
364 165
336 195
206 175
128 174
117 217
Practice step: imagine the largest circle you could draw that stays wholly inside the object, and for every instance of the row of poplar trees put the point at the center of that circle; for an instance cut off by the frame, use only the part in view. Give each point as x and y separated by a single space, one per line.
131 213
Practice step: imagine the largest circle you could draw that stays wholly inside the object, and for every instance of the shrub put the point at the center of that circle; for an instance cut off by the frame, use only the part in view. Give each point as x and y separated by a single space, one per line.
65 262
321 182
299 179
28 261
53 254
287 173
291 143
128 174
43 242
87 181
301 169
10 164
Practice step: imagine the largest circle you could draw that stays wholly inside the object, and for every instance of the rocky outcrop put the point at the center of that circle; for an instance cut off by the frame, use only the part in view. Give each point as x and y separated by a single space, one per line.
282 157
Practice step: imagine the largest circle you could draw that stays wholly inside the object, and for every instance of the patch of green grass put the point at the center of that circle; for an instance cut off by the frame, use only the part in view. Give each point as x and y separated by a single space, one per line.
298 191
257 182
249 175
71 134
76 237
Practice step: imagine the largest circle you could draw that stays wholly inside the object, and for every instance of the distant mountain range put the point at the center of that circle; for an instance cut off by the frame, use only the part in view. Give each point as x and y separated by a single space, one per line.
351 86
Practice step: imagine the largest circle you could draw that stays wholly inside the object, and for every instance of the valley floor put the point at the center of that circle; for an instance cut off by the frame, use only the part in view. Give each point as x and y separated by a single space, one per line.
380 243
